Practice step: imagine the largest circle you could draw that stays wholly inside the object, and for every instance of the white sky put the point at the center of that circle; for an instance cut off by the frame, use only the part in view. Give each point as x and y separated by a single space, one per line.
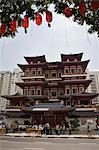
64 36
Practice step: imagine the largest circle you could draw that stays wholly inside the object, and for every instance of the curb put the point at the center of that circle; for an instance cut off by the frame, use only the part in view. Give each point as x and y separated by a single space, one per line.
54 136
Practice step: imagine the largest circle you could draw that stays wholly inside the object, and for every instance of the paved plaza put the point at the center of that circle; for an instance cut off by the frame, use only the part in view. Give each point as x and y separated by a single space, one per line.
30 143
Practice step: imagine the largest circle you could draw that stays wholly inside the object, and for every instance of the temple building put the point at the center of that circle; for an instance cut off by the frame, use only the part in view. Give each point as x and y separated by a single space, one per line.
52 91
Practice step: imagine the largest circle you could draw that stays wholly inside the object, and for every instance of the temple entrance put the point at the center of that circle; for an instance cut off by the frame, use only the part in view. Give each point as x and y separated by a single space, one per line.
50 117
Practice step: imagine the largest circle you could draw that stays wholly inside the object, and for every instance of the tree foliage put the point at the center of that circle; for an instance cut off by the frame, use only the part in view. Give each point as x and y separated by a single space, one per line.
81 11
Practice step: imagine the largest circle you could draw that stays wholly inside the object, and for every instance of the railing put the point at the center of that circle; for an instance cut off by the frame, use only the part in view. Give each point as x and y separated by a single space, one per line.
86 106
74 75
33 77
13 107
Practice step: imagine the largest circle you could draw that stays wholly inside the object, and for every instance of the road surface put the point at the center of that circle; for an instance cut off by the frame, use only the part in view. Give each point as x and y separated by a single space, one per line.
30 143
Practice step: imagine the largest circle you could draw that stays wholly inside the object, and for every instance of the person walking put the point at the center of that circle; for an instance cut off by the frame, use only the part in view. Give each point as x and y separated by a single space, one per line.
61 129
88 129
57 129
64 129
70 129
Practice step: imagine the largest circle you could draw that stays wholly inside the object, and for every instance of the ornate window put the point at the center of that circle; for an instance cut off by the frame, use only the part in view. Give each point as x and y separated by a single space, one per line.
39 72
33 72
74 90
32 92
53 75
38 92
66 70
46 75
53 93
68 103
68 91
26 92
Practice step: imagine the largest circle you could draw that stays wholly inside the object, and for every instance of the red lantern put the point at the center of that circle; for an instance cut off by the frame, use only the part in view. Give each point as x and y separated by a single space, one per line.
82 8
13 25
3 28
48 16
25 22
68 12
94 5
38 19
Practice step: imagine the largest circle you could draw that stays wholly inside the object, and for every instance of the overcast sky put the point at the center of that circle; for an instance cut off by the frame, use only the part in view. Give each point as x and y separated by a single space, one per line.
64 37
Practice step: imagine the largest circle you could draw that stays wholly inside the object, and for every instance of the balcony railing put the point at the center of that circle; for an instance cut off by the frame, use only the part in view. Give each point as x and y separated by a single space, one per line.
13 107
86 106
52 79
74 75
33 77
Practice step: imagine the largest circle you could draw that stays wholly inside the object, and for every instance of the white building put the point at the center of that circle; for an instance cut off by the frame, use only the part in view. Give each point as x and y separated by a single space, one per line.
5 82
94 86
8 86
16 77
5 86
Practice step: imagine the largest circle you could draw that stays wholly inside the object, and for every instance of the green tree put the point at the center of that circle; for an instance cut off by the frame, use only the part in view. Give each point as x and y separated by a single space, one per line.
75 124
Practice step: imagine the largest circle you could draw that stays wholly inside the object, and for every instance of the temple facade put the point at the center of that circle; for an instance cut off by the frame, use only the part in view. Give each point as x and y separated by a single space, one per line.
52 91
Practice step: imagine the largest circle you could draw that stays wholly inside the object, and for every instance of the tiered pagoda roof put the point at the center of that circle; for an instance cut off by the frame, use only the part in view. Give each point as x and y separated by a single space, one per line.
35 59
54 65
83 96
71 57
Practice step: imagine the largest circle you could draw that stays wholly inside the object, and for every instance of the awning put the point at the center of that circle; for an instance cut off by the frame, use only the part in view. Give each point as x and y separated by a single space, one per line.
48 107
40 109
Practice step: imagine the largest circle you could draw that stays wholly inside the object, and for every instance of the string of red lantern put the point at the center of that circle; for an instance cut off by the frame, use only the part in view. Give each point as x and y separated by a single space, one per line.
38 19
68 12
3 28
25 22
82 8
48 17
13 25
94 5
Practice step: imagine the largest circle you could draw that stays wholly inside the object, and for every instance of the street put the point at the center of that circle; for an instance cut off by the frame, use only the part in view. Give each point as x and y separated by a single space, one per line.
30 143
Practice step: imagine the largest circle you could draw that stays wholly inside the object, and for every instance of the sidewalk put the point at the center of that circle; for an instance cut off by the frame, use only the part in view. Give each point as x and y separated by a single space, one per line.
53 136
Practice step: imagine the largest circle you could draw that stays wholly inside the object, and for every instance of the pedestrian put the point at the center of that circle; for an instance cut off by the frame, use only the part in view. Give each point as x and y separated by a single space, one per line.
7 128
61 129
69 129
46 129
57 129
64 129
88 129
98 129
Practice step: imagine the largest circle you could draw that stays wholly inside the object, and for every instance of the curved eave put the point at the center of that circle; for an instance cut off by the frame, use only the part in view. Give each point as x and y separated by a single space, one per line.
13 97
37 97
31 109
25 97
21 85
69 56
23 67
13 113
85 82
82 63
36 58
85 96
